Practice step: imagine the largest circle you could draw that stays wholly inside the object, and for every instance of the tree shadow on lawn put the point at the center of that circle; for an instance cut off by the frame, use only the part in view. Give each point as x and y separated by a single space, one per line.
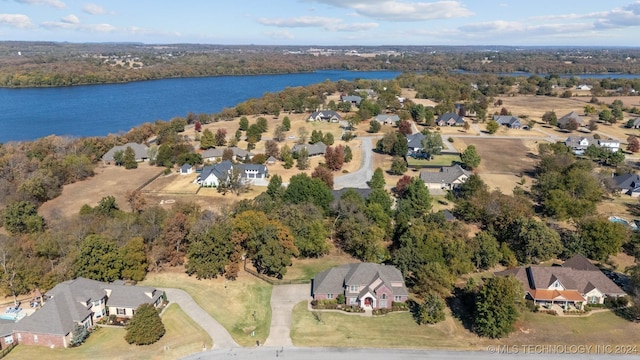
461 305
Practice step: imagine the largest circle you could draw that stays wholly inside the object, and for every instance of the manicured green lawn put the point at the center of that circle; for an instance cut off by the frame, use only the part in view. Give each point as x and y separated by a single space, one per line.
306 269
241 306
438 160
396 330
183 337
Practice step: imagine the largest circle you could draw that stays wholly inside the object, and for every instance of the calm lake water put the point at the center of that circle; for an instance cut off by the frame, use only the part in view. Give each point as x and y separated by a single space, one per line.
97 110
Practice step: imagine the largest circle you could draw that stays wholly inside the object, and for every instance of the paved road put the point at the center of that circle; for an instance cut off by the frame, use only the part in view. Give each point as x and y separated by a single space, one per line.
283 299
220 336
358 179
263 353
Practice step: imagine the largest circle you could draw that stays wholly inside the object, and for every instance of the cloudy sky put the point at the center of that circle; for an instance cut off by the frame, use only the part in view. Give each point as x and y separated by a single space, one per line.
326 22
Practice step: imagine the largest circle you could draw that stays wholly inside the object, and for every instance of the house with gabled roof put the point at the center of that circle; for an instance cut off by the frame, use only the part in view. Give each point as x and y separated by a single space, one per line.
450 119
316 149
414 142
628 184
352 99
80 302
447 178
366 285
572 116
141 152
579 144
325 115
576 283
387 119
509 121
214 175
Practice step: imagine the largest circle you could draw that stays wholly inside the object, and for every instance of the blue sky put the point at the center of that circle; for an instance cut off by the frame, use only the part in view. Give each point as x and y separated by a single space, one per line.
326 22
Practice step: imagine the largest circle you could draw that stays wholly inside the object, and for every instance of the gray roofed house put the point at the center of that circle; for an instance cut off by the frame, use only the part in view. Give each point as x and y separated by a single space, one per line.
508 121
141 152
186 169
318 148
80 302
387 119
241 154
414 142
271 160
450 119
214 154
213 175
353 99
366 285
578 144
635 123
576 283
564 121
449 177
325 115
628 184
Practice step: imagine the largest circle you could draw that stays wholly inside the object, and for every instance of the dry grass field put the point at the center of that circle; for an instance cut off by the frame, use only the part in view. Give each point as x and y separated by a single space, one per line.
109 180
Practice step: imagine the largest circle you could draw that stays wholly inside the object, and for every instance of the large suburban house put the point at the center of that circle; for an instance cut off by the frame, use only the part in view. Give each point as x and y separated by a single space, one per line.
214 175
387 119
509 121
352 99
215 154
628 184
316 149
414 142
450 119
579 144
325 115
448 178
576 283
80 302
141 152
572 116
366 285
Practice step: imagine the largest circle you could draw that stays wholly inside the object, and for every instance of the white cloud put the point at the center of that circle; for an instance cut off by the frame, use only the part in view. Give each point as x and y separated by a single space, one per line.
54 3
94 9
70 19
329 24
16 20
394 10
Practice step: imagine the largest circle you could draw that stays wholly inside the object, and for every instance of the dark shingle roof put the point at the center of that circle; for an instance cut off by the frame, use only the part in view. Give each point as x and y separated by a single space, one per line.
318 148
141 151
332 281
446 175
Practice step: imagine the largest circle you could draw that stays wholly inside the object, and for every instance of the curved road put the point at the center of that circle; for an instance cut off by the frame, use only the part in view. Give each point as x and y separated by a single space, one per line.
220 336
358 179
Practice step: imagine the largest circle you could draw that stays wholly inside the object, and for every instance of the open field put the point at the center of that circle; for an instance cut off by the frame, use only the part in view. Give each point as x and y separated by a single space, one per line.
241 306
109 180
183 337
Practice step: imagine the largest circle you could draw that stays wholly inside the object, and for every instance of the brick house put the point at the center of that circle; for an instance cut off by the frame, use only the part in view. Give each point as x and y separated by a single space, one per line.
367 285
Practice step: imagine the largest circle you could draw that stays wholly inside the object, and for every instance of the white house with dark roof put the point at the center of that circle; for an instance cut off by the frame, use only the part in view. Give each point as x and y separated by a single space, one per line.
214 175
141 152
579 144
80 302
325 115
448 177
367 285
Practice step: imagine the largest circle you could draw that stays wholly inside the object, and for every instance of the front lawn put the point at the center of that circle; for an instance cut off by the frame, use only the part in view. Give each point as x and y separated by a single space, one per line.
183 337
241 306
438 160
306 269
395 330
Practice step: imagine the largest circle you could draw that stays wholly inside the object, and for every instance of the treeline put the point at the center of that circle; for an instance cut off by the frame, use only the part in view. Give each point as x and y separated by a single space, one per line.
52 64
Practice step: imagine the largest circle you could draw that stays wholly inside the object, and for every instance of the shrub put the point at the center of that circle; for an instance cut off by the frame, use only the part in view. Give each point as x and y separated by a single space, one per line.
145 327
80 334
341 299
616 302
450 139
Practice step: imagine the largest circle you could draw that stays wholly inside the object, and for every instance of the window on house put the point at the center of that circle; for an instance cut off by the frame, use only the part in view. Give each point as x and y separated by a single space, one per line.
329 296
120 311
353 288
8 339
35 338
352 300
397 298
593 299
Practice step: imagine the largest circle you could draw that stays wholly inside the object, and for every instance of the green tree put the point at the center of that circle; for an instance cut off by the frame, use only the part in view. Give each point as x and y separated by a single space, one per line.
107 206
22 217
487 253
348 154
261 123
328 139
306 222
432 143
605 115
79 335
275 188
377 180
497 307
129 159
207 140
550 118
304 189
302 162
118 157
431 311
286 122
145 327
134 259
374 126
601 237
244 123
98 259
470 157
316 136
221 137
416 200
210 252
532 241
492 126
398 166
286 156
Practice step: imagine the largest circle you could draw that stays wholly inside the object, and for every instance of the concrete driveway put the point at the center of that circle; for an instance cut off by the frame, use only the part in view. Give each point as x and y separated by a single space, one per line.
220 336
283 299
359 178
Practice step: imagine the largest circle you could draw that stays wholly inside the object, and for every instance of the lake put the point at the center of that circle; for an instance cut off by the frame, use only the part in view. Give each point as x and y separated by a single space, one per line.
97 110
